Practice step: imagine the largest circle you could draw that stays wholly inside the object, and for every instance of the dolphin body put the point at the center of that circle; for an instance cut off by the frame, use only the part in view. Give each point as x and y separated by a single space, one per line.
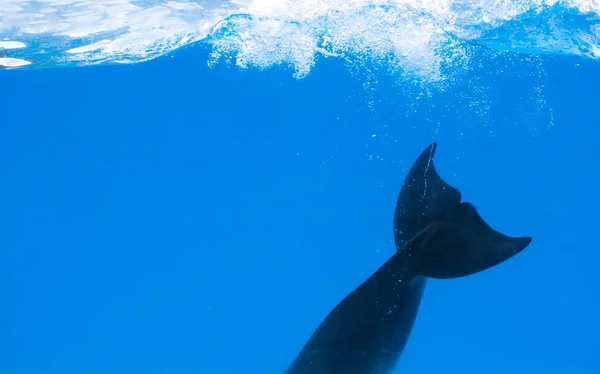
436 236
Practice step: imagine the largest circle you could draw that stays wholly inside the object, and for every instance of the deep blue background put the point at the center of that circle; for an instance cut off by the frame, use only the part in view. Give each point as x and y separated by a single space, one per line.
171 218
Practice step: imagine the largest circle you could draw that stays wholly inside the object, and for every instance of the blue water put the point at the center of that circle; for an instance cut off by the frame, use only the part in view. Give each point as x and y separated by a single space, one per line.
170 217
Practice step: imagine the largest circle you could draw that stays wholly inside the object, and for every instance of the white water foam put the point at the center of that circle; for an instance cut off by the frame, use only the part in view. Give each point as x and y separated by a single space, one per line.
7 44
13 62
422 37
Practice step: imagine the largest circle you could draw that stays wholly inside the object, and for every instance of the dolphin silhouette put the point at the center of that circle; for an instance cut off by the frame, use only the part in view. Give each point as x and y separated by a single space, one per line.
436 236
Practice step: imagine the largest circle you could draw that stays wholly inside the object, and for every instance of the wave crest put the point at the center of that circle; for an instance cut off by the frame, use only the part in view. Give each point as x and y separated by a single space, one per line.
421 37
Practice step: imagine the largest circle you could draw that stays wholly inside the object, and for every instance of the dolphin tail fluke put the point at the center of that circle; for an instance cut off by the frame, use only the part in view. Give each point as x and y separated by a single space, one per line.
463 244
447 236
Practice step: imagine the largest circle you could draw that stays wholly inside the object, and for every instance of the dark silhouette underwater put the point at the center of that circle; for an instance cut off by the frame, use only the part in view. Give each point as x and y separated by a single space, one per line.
436 236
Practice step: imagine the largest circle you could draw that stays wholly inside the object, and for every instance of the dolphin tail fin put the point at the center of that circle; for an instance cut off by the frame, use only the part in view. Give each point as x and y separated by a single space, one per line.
446 237
463 244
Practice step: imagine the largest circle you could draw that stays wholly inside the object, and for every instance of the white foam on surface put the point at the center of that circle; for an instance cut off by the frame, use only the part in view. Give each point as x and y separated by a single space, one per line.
7 44
8 62
417 36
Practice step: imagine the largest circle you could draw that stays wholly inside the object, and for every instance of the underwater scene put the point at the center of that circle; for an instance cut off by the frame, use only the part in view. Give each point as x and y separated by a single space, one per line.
299 187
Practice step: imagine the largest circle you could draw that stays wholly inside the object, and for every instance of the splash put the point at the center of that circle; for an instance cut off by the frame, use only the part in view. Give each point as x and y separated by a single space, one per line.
425 38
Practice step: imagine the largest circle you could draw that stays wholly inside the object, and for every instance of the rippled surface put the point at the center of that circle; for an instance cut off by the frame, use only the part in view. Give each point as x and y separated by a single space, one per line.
426 38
